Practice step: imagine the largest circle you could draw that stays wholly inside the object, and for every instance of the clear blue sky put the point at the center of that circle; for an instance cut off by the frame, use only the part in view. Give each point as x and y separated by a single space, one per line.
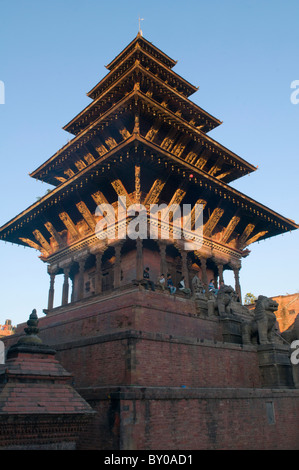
242 54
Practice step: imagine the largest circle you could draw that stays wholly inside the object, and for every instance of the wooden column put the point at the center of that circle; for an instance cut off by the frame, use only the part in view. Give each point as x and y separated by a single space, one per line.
80 293
237 282
117 266
139 259
220 272
65 287
51 291
203 264
185 268
163 263
98 273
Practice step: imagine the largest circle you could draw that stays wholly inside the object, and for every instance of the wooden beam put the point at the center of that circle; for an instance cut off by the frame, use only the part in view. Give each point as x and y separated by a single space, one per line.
87 215
178 196
121 190
216 167
54 234
230 228
154 192
89 158
213 221
151 134
122 129
198 159
247 231
69 172
99 199
255 237
42 241
31 243
168 141
180 146
99 146
80 164
110 142
201 161
226 173
191 218
69 225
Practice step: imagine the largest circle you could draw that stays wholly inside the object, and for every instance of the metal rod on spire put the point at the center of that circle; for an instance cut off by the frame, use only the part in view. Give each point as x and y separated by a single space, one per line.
140 19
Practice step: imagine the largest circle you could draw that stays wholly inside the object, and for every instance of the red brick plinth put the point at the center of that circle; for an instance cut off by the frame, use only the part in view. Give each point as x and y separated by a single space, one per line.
160 376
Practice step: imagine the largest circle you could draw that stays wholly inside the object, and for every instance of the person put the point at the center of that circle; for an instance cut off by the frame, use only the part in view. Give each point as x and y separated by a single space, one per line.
147 277
212 288
162 281
170 284
182 286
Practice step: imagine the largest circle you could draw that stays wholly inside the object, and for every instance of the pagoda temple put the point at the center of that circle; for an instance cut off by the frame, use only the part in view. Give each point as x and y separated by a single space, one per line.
162 370
143 138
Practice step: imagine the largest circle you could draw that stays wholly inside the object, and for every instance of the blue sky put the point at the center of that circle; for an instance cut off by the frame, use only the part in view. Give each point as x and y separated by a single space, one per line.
243 55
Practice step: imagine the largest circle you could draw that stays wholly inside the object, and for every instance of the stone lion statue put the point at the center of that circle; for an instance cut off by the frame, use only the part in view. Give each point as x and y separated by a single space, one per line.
225 297
262 327
197 287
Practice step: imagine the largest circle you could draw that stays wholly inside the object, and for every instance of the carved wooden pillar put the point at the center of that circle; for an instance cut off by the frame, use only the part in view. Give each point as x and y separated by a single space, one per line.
137 184
98 273
163 263
185 268
51 291
65 287
80 293
203 264
237 282
139 259
117 266
220 272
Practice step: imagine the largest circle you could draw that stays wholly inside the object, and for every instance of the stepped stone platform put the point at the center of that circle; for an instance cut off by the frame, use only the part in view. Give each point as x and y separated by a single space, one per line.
163 373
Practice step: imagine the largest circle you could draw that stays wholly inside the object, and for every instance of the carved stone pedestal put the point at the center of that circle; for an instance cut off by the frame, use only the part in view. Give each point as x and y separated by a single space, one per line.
231 330
275 365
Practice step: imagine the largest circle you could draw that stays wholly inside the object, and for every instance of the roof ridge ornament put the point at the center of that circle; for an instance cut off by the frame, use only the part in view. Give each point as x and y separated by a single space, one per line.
31 342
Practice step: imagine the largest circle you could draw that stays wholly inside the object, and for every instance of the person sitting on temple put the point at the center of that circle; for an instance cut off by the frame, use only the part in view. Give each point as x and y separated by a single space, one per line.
147 277
162 281
170 284
212 287
182 286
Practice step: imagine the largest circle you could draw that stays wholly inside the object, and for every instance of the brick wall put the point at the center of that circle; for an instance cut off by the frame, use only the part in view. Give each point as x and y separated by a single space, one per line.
288 309
133 358
160 377
211 419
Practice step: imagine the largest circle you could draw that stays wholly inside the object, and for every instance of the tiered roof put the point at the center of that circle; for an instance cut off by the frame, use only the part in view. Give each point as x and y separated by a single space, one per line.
141 114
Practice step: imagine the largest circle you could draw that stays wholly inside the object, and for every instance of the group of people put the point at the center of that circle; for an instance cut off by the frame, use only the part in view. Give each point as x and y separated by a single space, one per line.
165 283
168 284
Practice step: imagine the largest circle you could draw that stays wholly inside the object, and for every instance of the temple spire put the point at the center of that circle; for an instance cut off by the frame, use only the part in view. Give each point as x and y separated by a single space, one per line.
139 30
